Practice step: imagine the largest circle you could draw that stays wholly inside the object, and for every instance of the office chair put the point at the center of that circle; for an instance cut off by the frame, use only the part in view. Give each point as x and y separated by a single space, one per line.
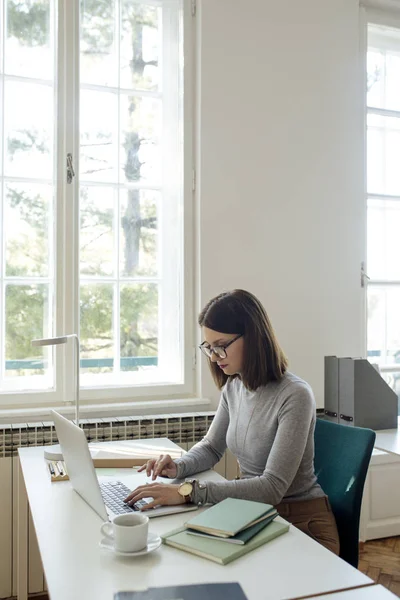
342 455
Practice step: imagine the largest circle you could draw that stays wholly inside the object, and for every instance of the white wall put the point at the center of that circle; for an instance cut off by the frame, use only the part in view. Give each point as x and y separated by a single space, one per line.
280 170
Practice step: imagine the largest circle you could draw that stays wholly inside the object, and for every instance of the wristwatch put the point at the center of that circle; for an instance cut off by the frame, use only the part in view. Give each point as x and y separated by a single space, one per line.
185 490
198 494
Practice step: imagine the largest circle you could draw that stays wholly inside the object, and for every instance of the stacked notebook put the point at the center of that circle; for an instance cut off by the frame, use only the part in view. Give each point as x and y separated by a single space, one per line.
227 530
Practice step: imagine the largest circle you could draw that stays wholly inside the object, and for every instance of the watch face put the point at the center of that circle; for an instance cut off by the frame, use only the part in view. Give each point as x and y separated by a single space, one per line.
185 489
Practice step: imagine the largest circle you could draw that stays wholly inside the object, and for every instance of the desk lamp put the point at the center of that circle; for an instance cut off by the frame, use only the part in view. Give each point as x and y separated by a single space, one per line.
54 452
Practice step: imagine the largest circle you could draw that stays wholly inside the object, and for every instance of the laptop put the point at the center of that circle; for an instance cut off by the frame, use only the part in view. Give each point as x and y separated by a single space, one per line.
104 495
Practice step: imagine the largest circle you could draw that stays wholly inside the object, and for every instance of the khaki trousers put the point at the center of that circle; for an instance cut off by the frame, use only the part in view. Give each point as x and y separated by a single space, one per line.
315 518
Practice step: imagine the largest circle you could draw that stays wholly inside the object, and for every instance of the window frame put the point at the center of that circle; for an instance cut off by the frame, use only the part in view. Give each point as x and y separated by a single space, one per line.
390 19
66 296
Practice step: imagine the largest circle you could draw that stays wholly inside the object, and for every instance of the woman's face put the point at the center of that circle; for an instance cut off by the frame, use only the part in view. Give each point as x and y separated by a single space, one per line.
233 363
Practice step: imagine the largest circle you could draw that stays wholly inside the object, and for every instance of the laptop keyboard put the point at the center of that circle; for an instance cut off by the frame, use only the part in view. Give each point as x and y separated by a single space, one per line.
114 493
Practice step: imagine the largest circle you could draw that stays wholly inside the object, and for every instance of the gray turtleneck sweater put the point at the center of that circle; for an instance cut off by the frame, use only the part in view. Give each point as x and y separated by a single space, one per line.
271 432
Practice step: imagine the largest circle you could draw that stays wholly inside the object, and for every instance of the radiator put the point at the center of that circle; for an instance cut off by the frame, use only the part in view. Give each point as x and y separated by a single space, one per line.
185 430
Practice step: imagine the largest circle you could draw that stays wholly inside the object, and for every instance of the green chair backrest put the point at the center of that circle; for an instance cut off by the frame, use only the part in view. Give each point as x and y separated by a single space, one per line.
342 455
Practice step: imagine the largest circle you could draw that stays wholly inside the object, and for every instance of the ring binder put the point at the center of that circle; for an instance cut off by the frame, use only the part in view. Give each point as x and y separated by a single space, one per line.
357 395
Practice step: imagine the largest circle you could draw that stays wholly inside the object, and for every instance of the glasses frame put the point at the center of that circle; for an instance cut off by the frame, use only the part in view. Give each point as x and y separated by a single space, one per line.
206 349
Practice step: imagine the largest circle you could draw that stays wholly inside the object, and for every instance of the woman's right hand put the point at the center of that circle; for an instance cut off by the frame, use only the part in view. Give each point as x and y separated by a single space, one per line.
163 465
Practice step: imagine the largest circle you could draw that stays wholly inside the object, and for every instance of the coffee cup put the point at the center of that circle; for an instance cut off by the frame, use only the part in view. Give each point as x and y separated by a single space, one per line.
128 532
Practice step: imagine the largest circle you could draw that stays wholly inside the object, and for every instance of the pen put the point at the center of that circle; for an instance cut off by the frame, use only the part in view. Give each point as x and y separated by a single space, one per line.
56 471
51 468
60 468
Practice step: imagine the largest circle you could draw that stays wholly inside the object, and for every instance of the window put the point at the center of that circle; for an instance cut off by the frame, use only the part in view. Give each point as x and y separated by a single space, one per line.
383 186
95 201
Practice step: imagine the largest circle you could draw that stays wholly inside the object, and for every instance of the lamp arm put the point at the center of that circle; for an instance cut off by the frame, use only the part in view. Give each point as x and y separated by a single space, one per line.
77 371
78 368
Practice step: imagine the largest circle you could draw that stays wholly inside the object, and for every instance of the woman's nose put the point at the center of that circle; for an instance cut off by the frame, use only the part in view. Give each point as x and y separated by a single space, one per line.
214 357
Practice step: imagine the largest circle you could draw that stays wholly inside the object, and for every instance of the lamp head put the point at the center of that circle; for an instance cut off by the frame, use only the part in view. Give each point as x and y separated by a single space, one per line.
50 341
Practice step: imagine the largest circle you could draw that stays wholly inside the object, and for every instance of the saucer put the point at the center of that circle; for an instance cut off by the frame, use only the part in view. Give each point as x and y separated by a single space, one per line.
153 542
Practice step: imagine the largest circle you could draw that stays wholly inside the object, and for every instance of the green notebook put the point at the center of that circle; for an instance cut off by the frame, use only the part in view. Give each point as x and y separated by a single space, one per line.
240 538
230 516
218 550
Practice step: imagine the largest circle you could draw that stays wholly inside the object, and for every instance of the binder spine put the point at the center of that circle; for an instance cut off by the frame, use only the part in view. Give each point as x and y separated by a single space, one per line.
331 388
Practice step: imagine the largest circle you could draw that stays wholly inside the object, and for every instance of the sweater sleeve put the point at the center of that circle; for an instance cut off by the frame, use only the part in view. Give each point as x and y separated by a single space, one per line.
206 453
294 426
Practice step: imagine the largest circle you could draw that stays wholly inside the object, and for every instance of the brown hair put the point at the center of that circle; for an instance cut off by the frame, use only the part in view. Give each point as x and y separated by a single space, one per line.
237 312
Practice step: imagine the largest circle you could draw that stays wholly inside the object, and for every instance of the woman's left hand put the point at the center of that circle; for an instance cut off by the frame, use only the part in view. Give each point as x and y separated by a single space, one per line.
162 494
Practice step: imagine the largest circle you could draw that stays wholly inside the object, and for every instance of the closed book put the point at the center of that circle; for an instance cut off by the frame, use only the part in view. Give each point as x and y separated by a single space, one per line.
240 538
201 591
217 550
230 516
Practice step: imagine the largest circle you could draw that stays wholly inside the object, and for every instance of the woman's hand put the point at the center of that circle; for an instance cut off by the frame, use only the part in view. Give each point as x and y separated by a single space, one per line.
163 465
162 494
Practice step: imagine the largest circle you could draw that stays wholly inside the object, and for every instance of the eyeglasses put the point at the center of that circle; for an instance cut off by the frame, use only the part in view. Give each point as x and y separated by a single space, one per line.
219 351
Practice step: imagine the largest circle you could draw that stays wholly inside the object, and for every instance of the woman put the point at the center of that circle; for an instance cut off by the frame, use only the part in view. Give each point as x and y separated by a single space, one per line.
266 417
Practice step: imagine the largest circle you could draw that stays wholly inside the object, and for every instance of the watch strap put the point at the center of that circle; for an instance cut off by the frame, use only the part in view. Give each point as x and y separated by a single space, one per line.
199 493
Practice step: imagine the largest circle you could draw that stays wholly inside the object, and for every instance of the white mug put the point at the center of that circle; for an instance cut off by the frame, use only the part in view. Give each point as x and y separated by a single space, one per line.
128 531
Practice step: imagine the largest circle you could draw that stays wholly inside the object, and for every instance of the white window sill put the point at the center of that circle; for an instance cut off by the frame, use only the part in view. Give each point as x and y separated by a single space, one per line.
115 409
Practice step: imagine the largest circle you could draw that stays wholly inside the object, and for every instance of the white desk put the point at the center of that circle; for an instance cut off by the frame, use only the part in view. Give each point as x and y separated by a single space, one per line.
388 440
68 533
373 592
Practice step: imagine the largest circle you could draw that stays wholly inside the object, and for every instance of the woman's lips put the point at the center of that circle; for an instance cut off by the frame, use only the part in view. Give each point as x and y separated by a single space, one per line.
222 366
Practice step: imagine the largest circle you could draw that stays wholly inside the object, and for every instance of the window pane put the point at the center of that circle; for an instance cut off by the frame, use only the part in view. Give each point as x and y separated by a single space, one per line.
1 125
27 224
27 203
132 193
28 315
98 43
383 63
140 139
375 78
139 326
29 127
140 46
96 330
28 41
97 207
375 161
393 80
99 148
139 233
383 239
384 324
383 147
